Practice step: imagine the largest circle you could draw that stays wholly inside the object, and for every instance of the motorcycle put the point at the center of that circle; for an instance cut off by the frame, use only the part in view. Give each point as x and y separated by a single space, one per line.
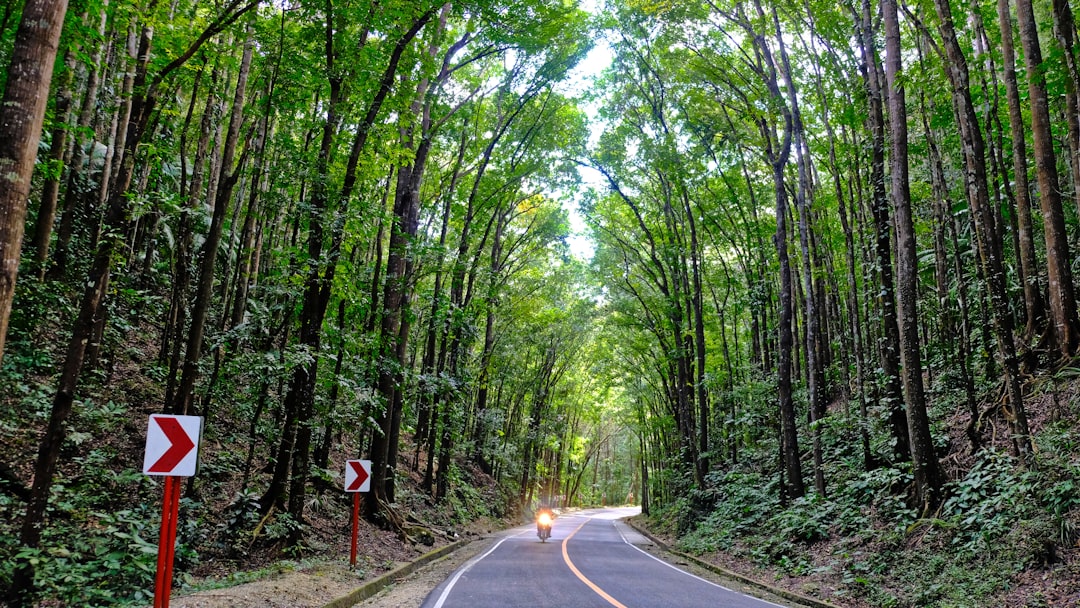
543 526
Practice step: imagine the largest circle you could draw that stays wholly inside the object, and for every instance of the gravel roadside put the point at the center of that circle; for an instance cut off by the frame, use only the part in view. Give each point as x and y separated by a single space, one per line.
317 585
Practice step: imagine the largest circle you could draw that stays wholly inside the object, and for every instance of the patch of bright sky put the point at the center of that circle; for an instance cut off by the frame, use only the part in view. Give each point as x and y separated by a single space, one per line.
579 85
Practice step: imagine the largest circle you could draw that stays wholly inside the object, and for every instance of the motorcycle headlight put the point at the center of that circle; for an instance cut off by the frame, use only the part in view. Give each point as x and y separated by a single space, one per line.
544 519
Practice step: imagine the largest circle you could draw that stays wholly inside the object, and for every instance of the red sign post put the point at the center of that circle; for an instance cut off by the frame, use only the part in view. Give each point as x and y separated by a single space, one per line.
357 480
172 451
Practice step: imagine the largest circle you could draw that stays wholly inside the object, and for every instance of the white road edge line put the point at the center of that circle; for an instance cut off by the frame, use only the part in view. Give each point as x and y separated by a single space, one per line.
673 567
466 567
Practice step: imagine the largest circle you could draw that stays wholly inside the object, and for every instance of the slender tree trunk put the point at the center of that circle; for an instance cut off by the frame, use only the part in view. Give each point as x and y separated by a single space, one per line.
294 451
698 315
427 398
851 301
178 308
990 248
1058 259
927 473
396 247
1034 302
480 431
219 202
247 266
946 223
889 342
1065 33
803 195
322 450
79 194
777 154
46 215
320 277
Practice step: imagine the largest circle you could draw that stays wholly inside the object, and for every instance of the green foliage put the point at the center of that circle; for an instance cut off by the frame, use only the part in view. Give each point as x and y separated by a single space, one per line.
881 490
743 504
806 519
42 306
987 502
281 527
998 520
581 378
235 532
92 558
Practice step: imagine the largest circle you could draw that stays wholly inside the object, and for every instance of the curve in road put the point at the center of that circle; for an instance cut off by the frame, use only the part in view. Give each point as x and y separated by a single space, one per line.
601 568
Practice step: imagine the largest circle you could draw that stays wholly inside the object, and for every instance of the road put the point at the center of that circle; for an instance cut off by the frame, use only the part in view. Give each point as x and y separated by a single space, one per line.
592 560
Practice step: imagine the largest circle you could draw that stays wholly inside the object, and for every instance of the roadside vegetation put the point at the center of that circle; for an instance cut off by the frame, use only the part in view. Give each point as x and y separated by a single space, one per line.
1005 535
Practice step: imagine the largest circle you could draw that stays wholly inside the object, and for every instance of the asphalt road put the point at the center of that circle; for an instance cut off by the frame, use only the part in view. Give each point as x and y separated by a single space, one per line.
591 561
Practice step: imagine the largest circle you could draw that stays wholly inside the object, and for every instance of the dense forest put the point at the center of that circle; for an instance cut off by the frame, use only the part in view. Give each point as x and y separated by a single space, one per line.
796 277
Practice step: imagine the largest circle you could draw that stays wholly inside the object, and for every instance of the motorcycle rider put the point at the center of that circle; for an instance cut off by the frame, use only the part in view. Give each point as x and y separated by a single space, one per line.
542 510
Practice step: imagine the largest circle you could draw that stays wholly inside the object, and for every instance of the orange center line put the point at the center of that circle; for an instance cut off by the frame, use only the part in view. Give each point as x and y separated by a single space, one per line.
577 573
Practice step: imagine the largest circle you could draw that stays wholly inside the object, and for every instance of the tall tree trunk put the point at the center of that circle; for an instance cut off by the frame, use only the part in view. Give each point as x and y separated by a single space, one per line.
426 409
495 270
889 342
1034 302
292 453
927 473
219 202
946 223
804 192
1065 33
46 215
79 196
247 266
320 278
777 154
402 230
698 319
22 114
1058 259
176 320
990 248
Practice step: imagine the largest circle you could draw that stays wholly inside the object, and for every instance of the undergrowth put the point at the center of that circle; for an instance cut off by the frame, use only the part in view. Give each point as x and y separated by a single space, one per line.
998 520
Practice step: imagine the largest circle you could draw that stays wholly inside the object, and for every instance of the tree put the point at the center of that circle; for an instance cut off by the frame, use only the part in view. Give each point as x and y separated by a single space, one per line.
96 284
990 247
928 479
1034 302
1064 323
22 114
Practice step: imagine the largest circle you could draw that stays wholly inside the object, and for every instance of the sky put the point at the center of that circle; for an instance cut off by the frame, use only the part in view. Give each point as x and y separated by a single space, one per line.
580 80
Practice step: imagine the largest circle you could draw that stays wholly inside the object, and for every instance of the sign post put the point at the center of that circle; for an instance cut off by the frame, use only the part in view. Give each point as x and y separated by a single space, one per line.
357 480
171 451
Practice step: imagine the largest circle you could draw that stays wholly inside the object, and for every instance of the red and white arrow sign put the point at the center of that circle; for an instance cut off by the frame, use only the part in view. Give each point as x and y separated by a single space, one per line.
172 445
357 475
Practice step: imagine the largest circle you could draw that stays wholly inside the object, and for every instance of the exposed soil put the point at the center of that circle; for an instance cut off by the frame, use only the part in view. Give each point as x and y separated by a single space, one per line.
307 587
314 584
317 585
410 592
